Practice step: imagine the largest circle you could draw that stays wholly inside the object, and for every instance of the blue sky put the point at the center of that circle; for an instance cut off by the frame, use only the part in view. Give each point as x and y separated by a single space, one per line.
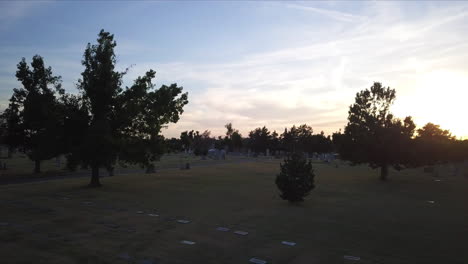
260 63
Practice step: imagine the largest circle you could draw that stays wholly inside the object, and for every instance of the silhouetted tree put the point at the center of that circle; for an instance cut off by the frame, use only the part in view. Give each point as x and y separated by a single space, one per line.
373 135
186 138
173 145
76 120
100 85
202 143
13 133
126 122
33 118
296 179
259 139
233 138
434 145
141 112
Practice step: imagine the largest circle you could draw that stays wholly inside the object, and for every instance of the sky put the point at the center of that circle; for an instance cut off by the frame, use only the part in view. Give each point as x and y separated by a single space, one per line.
260 63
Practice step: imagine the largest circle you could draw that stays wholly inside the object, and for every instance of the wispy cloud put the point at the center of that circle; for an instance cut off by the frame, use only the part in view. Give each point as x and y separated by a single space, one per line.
11 11
337 15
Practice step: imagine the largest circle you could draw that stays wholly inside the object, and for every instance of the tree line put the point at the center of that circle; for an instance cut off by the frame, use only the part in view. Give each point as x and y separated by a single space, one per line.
373 136
259 141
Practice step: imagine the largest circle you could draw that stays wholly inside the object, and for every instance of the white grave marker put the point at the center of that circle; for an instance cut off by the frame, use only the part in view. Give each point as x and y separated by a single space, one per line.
352 258
187 242
288 243
242 233
257 261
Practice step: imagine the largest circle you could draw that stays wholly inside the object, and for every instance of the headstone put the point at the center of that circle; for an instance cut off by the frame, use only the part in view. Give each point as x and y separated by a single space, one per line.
257 261
112 225
183 221
431 202
145 261
288 243
267 152
187 242
222 229
242 233
352 258
125 256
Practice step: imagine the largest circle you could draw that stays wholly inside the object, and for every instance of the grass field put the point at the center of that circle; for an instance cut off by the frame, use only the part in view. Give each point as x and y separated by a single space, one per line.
21 167
349 213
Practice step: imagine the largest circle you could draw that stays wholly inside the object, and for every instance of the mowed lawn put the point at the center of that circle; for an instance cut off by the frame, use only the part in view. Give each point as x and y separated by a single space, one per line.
349 213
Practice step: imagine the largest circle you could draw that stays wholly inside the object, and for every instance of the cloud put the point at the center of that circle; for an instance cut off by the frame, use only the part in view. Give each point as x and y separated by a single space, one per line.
337 15
11 11
315 84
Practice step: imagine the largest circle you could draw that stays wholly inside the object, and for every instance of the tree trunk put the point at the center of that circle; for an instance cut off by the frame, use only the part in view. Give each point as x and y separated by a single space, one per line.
383 172
94 177
37 166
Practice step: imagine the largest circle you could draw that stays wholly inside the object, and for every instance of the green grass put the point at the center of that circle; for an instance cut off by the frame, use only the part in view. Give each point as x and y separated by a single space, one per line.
349 213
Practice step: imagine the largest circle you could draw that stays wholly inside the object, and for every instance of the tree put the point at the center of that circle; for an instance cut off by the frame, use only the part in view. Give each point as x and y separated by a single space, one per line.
186 138
124 124
75 124
296 179
141 113
202 143
259 139
373 135
100 85
233 138
434 145
32 118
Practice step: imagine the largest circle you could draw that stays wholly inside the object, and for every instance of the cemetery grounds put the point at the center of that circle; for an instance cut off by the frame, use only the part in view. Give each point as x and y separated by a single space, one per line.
350 217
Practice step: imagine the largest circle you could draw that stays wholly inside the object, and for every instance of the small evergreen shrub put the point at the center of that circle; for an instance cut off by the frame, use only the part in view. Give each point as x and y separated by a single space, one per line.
296 179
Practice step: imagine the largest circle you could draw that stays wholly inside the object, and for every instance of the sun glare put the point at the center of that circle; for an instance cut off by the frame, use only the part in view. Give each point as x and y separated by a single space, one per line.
438 97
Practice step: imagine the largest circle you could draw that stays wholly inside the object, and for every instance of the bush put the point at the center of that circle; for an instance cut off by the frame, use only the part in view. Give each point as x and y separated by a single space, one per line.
296 179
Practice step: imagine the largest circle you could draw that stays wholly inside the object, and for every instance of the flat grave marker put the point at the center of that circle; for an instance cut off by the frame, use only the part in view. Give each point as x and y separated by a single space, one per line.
257 261
125 256
351 258
187 242
288 243
183 221
242 233
153 215
145 261
222 229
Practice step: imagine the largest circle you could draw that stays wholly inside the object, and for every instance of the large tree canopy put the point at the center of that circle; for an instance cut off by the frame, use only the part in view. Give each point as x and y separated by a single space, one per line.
373 135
